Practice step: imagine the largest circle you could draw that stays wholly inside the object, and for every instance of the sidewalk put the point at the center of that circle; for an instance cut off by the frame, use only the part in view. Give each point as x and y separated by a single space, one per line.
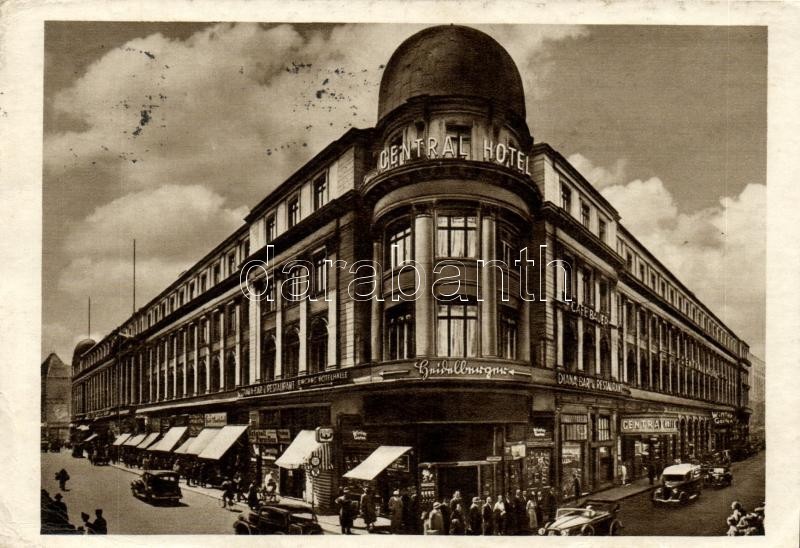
620 492
328 522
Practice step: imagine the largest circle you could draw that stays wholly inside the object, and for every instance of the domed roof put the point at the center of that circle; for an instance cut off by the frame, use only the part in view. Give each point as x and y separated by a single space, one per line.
451 60
82 347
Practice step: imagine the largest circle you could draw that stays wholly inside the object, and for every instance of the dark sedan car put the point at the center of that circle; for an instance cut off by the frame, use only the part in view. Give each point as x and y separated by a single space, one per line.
680 483
594 517
279 518
157 486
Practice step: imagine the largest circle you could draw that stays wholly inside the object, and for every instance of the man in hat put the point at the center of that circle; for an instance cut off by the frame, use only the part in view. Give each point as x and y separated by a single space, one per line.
62 477
98 526
436 520
345 511
396 512
474 519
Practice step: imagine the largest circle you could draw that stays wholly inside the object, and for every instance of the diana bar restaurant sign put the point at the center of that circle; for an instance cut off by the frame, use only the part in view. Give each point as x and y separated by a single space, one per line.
589 383
290 385
452 147
649 425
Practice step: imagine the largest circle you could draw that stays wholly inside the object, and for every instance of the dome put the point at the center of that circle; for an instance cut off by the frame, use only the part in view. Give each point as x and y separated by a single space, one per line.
451 60
80 348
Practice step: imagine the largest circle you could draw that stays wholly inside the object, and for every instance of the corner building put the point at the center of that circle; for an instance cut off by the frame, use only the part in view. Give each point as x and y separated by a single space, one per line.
451 376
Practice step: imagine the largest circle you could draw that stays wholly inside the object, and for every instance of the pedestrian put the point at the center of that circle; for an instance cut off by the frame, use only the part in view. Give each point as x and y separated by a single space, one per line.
60 508
532 510
520 511
446 515
511 515
474 518
651 472
367 504
576 485
252 496
550 504
396 512
457 523
345 511
62 476
499 516
98 526
487 514
270 485
407 517
623 473
436 520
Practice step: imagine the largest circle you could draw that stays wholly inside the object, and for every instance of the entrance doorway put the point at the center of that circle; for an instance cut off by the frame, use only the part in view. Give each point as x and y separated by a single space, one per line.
459 478
293 482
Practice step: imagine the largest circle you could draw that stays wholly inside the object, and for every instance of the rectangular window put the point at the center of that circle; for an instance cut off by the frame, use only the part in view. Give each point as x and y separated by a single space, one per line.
230 324
401 333
269 304
457 328
293 208
191 290
296 284
508 335
653 281
245 249
585 214
202 283
180 298
566 197
399 247
320 191
231 263
216 272
269 229
320 274
603 428
602 230
456 236
588 287
641 271
461 139
605 294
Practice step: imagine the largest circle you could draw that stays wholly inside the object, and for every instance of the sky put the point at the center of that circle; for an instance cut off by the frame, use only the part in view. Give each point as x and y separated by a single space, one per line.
168 133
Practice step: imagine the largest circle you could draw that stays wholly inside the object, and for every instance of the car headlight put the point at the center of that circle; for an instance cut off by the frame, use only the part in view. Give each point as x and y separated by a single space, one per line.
542 531
565 532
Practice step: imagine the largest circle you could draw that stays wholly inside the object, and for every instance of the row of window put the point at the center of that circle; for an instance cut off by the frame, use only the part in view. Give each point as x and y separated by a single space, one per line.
319 197
585 212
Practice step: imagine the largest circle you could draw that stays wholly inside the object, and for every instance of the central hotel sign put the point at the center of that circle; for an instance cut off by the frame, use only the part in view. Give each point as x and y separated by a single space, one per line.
649 425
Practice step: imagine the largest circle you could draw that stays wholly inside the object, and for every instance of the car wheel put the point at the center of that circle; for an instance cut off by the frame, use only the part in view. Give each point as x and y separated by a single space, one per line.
614 528
242 531
587 530
682 498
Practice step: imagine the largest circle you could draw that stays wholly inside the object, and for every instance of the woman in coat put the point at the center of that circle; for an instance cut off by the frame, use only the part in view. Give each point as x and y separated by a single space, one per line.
367 504
531 508
488 517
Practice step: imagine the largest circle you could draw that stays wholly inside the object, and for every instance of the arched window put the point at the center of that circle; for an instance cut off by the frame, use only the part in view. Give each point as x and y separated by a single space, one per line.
291 353
201 377
267 369
230 369
214 384
605 358
588 352
570 344
318 346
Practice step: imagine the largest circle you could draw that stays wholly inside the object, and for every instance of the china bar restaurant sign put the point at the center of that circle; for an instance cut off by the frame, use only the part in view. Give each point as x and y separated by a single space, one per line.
590 383
338 376
649 425
431 149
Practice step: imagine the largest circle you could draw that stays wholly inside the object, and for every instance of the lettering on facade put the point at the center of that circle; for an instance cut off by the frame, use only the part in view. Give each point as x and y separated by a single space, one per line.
289 385
263 436
459 368
722 418
359 435
649 425
499 153
589 383
589 313
213 420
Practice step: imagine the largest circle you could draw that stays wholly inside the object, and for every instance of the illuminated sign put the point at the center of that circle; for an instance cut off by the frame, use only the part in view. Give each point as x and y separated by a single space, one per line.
431 149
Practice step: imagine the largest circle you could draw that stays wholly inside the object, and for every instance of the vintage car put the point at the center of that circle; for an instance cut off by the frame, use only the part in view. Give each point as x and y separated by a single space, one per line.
278 518
719 476
680 483
157 486
594 517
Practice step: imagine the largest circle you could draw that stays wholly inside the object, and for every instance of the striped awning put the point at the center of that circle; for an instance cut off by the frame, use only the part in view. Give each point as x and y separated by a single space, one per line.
149 440
133 441
121 438
170 439
222 441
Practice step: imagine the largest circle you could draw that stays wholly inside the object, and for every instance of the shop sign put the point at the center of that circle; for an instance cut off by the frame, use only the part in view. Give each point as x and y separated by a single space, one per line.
494 458
299 383
539 432
518 451
215 420
499 153
324 434
589 313
263 436
649 425
359 435
284 435
722 418
460 369
589 383
196 423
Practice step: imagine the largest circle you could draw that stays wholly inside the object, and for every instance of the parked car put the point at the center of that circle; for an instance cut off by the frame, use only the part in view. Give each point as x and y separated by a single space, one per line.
594 517
719 476
680 483
157 486
278 518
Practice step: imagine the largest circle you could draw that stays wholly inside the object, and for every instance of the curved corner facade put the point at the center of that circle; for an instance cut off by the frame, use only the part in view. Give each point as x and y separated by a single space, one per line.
438 283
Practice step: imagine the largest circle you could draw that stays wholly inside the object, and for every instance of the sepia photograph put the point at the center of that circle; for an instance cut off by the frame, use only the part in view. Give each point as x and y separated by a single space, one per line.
402 277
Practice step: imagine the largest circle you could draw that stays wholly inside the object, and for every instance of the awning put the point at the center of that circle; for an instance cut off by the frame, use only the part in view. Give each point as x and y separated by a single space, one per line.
133 441
181 450
121 438
377 462
90 438
148 441
223 441
170 439
202 440
299 450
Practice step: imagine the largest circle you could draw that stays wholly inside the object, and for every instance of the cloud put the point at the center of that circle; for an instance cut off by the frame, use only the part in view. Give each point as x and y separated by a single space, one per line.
597 175
718 252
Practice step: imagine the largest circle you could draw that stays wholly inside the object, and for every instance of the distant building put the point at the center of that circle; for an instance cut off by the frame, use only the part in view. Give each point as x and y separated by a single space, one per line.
56 400
757 397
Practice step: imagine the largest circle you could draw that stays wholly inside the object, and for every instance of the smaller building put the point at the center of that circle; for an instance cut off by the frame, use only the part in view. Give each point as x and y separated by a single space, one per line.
758 398
56 398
